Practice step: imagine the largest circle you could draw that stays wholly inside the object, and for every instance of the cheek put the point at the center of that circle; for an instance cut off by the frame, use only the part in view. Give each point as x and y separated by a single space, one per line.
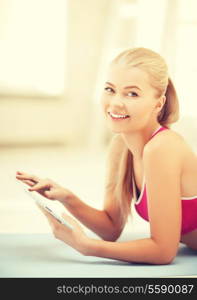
103 102
143 107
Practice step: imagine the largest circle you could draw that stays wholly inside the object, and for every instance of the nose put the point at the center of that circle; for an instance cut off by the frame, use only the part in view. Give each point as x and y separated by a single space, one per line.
116 102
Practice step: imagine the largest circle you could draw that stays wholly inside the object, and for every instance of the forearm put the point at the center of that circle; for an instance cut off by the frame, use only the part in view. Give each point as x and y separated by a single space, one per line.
139 251
96 220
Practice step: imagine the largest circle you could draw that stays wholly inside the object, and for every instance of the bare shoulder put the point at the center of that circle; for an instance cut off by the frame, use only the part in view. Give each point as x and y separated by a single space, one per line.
167 140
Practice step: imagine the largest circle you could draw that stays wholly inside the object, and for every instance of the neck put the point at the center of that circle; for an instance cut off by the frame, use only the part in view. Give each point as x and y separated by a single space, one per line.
136 140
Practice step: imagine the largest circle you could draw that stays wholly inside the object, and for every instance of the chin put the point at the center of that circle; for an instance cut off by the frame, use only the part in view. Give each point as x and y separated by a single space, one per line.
116 130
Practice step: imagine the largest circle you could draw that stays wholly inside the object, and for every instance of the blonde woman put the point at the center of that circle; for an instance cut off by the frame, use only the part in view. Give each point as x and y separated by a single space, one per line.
147 163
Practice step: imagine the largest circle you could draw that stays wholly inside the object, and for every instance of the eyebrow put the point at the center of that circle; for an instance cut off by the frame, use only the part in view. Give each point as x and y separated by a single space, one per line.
126 87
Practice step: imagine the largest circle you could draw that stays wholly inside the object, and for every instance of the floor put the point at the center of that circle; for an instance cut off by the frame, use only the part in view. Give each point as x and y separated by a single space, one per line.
40 255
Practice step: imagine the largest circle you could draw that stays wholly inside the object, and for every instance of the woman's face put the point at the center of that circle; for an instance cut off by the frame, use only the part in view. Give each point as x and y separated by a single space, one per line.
128 92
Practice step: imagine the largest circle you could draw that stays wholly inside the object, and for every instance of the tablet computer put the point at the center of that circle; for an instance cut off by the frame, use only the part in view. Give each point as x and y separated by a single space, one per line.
40 200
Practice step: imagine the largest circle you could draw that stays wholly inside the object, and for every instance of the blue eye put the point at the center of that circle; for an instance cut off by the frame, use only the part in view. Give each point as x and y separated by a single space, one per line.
106 89
134 94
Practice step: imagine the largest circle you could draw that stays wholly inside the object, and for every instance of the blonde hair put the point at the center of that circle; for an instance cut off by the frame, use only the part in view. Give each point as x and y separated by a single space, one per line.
156 67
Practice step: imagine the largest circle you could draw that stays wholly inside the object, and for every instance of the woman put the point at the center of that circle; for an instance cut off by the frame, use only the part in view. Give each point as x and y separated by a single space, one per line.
146 158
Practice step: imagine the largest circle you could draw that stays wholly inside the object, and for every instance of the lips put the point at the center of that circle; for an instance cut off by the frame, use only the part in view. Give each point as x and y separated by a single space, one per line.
118 116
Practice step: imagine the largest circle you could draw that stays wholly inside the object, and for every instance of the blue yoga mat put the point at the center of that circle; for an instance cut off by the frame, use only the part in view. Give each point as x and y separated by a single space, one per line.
41 255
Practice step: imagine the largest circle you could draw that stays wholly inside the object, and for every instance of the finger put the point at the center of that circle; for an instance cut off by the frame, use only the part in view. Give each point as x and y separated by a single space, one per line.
28 177
40 186
28 182
49 194
25 177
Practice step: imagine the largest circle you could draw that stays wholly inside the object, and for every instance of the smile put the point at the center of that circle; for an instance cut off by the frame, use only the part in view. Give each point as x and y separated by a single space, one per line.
118 117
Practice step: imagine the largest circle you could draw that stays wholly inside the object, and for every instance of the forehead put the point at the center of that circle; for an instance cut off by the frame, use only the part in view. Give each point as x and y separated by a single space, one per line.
122 76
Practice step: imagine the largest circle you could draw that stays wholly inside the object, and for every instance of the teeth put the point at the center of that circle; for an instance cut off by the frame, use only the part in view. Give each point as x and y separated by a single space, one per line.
118 116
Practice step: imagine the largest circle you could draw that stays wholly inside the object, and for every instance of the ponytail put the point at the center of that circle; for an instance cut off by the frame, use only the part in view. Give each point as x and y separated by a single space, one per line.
170 111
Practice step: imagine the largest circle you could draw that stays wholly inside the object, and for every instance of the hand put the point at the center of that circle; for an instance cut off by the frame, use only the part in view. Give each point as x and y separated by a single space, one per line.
45 187
76 238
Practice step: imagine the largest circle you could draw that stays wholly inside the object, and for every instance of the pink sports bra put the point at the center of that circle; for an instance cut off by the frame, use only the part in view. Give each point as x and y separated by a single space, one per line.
189 204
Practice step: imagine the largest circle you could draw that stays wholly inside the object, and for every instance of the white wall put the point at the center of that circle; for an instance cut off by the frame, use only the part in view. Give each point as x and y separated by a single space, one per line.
64 119
95 31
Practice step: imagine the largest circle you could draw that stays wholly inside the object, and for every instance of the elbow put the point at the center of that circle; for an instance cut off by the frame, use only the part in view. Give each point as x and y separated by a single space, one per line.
165 254
160 260
165 258
113 237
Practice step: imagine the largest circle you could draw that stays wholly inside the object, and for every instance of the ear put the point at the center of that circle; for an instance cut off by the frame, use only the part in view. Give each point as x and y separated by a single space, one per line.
160 103
163 99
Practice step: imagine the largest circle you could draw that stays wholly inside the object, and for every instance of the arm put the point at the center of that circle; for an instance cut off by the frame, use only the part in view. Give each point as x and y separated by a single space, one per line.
96 220
162 166
106 223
